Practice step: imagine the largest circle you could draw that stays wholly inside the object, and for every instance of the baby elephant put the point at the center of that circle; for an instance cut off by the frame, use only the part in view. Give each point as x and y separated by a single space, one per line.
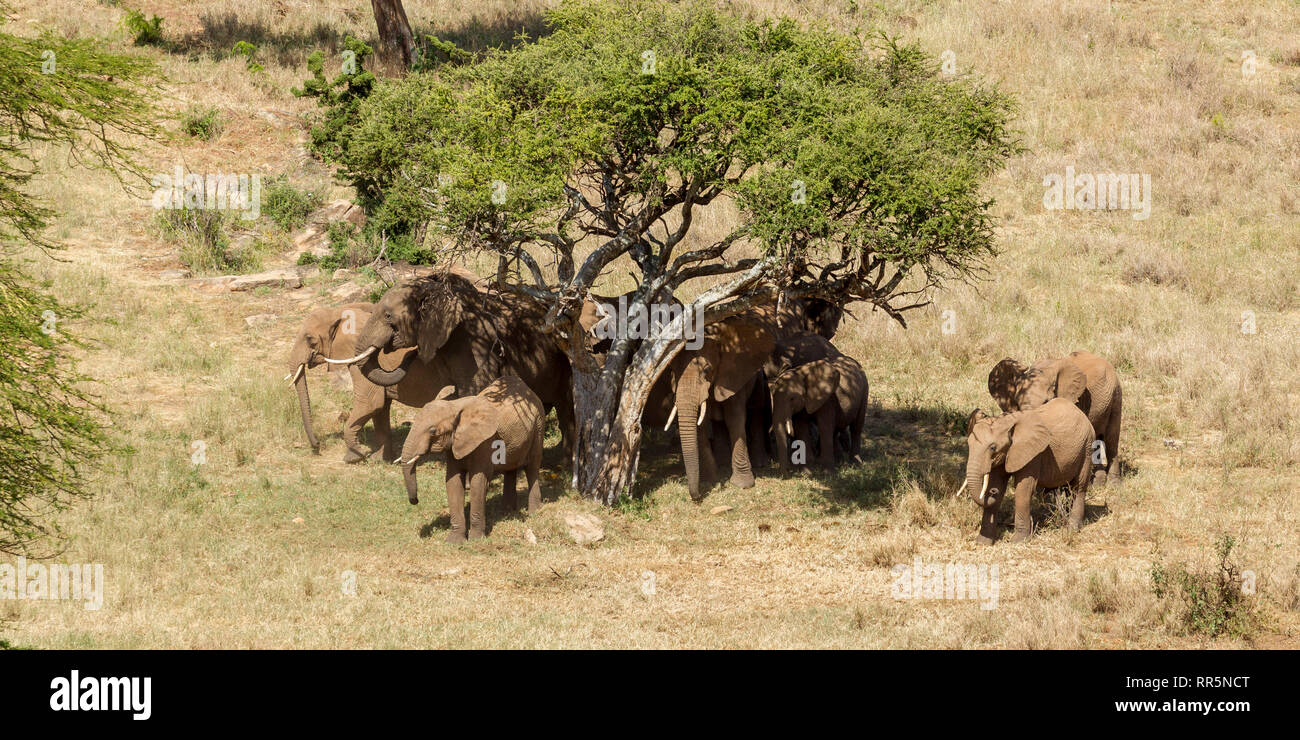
499 430
1047 447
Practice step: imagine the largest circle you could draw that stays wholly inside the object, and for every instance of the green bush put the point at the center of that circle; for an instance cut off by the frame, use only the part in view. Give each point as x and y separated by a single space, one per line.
247 50
201 123
287 205
1209 602
146 31
205 245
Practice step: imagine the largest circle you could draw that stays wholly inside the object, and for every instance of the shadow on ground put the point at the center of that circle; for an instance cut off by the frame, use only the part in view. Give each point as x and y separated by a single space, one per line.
220 31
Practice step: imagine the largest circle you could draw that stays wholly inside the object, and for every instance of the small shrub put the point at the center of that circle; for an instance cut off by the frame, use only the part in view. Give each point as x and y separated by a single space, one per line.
146 31
248 51
638 507
287 205
1209 602
205 246
201 123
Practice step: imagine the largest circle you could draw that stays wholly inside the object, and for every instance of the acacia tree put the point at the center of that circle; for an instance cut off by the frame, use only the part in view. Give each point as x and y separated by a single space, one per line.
396 46
855 168
57 92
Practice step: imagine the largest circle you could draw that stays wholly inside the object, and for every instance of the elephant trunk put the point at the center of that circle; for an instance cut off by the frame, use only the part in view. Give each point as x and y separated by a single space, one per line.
376 373
688 409
304 406
412 487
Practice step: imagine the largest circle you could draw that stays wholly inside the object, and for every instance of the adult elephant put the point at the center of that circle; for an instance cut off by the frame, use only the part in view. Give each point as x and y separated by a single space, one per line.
717 381
1084 378
1047 447
331 333
475 335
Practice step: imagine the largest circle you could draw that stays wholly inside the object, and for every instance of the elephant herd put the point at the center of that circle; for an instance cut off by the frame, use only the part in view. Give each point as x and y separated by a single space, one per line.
764 383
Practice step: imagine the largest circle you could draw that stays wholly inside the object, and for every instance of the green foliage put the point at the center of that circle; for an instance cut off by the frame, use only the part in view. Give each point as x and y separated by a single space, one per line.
637 507
287 205
201 123
886 154
145 31
351 250
339 99
52 433
1212 601
248 51
205 246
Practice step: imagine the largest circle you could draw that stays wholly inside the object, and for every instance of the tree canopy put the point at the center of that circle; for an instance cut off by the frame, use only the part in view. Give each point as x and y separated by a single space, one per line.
57 91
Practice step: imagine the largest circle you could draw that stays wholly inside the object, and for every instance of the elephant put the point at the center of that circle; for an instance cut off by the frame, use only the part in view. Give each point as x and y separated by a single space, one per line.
726 369
1046 447
477 336
1088 380
331 333
831 388
498 430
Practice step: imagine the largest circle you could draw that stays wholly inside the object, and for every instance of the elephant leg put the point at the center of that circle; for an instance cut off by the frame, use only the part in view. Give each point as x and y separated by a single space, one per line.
826 425
478 482
803 437
855 433
1026 485
742 476
508 499
757 440
1111 438
384 431
565 418
718 446
456 504
351 430
535 479
1079 505
989 519
708 465
367 401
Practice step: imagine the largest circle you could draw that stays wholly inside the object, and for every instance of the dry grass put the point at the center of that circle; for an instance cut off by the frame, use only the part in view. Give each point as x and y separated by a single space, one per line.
212 555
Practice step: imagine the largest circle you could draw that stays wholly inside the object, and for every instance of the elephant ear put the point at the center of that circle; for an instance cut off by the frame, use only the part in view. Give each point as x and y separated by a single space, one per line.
1070 381
442 312
820 379
742 349
1004 383
1029 436
973 419
476 425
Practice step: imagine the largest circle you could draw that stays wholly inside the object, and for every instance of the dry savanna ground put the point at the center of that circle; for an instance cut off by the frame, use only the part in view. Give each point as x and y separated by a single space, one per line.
251 548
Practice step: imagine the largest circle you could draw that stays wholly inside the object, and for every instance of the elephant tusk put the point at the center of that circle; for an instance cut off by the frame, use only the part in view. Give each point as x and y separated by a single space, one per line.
789 428
671 415
960 490
704 407
351 360
297 374
984 487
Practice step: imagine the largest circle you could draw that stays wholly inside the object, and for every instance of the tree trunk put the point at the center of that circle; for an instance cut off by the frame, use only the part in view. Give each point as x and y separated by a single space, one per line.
395 51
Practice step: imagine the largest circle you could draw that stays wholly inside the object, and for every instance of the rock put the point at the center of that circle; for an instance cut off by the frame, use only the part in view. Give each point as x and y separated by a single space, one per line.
314 237
348 292
283 278
530 536
343 273
174 274
1174 444
298 520
303 294
260 319
720 510
219 284
584 529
